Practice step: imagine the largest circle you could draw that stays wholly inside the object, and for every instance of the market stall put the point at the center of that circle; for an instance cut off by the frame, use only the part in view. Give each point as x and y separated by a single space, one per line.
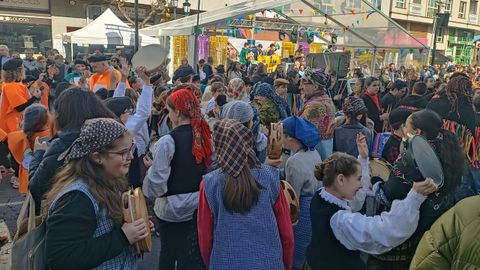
107 29
355 26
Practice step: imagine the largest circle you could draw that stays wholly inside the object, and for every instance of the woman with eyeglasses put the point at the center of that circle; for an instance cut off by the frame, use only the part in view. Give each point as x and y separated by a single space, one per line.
85 227
173 179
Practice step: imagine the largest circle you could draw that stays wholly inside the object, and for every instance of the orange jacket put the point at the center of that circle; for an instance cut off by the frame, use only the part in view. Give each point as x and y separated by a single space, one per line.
21 150
13 95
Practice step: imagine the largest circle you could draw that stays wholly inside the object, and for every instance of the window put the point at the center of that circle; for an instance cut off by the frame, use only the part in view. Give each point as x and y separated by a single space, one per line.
93 11
462 9
440 34
377 3
448 6
432 8
400 3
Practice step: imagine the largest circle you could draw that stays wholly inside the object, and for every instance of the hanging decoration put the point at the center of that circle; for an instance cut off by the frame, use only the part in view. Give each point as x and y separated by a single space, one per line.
314 12
219 50
359 50
300 11
229 22
367 50
370 12
410 51
180 50
420 50
251 17
402 51
203 47
280 10
263 12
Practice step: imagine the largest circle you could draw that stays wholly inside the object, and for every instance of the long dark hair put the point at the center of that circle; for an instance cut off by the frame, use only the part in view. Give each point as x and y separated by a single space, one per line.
459 85
241 193
75 105
105 189
451 155
40 125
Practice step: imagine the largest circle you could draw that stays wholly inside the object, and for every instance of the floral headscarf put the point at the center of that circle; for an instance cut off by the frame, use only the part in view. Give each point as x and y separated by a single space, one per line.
185 101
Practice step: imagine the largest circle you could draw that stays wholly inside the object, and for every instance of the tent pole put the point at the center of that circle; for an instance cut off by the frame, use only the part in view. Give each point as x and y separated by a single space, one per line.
71 51
136 26
195 46
374 57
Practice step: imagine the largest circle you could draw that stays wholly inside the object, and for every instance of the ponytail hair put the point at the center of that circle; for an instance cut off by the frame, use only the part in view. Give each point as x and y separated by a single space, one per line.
335 164
453 160
241 193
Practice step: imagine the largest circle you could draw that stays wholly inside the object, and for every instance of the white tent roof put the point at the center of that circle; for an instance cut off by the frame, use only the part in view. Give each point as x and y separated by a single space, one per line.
357 23
107 29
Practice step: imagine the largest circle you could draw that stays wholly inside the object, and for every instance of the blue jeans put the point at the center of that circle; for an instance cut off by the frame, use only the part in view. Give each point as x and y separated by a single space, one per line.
325 148
471 180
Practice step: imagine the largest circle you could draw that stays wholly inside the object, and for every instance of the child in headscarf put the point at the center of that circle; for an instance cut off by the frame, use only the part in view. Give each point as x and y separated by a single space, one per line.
243 216
300 137
355 122
179 161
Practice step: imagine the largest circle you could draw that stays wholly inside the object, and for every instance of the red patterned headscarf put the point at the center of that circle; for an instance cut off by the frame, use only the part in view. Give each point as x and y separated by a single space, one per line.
185 101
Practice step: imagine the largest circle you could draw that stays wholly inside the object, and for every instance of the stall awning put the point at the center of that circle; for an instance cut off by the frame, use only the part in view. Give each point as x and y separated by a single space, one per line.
107 29
356 23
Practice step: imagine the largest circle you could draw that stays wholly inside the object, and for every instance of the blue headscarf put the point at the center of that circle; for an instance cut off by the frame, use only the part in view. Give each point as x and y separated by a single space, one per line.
302 130
267 90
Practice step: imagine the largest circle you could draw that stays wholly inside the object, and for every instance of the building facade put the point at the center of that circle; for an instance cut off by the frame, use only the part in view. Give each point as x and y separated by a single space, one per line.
456 40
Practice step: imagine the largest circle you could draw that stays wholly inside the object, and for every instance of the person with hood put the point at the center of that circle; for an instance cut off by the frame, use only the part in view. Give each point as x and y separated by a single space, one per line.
271 106
319 108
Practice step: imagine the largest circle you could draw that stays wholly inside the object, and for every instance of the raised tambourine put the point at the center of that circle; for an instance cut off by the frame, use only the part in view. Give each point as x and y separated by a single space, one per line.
420 156
135 208
151 57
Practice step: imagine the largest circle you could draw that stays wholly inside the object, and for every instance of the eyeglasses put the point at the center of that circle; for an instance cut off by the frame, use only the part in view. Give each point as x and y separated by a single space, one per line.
130 111
124 153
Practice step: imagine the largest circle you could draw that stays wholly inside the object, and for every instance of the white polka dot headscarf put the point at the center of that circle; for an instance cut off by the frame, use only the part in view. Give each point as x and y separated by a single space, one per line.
95 135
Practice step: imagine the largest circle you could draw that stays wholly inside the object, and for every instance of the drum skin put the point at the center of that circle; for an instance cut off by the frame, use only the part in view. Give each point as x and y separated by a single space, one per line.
292 200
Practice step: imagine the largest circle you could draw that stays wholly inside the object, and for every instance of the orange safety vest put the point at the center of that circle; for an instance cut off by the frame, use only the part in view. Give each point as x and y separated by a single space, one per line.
13 95
98 81
21 150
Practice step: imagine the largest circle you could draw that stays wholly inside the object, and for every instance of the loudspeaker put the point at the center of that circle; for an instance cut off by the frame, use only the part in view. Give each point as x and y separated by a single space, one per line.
281 35
293 36
443 19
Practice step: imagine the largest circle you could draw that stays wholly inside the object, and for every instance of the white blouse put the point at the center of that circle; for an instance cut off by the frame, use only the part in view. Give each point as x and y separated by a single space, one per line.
377 234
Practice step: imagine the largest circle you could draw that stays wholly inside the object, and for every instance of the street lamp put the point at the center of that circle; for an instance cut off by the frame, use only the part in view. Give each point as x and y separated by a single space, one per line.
174 4
186 7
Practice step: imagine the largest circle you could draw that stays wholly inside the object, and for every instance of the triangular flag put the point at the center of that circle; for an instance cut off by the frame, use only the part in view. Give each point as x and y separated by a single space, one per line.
263 12
234 32
314 12
222 31
280 10
229 22
301 11
343 49
251 31
323 33
250 17
410 51
228 32
367 50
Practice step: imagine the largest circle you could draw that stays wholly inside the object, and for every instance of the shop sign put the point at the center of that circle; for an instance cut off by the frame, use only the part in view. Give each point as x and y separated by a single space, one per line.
25 4
5 18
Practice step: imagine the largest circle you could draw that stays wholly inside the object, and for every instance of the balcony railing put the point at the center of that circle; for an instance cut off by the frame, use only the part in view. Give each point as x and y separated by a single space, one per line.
473 18
415 9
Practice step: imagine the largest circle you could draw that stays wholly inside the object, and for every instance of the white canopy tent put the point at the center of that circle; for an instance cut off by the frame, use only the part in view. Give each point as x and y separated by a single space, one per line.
107 29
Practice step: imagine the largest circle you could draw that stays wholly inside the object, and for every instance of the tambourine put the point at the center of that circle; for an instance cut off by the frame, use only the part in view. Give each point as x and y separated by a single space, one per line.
275 137
420 156
151 57
292 200
134 208
380 168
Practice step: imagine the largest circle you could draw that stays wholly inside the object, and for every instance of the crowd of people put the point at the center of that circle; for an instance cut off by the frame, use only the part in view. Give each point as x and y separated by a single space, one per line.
76 135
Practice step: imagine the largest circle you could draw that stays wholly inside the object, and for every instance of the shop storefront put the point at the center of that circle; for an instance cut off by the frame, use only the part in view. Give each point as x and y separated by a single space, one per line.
25 24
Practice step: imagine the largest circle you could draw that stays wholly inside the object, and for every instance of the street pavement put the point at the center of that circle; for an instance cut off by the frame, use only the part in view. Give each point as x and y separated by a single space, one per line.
11 202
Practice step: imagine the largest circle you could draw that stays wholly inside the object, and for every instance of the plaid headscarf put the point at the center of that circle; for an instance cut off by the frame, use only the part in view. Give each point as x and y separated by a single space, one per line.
354 106
95 135
187 103
317 77
234 146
